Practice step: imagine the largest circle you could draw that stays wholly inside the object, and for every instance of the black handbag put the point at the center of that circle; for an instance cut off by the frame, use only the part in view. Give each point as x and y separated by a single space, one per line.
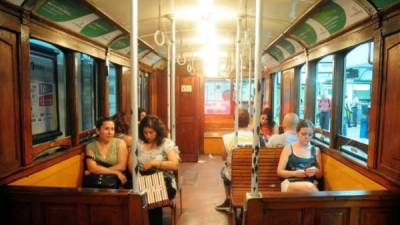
101 181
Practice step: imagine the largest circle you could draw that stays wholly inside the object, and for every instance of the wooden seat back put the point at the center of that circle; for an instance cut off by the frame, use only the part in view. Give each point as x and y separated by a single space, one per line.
268 179
325 207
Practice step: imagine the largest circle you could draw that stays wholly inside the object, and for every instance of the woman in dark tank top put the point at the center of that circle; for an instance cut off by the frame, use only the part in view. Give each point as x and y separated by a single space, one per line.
300 162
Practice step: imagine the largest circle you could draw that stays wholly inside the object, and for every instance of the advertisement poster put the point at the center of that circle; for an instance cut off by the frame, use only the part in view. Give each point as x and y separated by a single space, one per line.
43 95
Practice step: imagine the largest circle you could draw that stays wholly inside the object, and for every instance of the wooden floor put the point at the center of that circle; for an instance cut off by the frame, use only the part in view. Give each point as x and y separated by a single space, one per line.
202 189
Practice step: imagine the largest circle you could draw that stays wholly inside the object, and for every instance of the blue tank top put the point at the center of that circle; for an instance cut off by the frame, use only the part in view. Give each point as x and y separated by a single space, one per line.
299 163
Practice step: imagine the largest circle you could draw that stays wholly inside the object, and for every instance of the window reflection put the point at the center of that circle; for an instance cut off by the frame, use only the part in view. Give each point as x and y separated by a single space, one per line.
323 103
217 96
357 93
277 97
302 90
112 89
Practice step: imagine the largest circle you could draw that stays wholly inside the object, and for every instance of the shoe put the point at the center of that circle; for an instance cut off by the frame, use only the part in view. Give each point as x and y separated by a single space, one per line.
225 206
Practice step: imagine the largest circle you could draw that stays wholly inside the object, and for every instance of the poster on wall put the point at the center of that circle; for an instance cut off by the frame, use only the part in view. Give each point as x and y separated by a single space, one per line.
43 94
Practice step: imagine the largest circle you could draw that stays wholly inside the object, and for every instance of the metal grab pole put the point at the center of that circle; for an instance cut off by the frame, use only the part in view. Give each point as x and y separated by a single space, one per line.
237 80
134 94
173 64
169 90
249 70
257 79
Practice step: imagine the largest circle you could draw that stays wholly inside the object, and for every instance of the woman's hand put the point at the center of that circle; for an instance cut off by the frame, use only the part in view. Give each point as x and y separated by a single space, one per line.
151 164
121 177
299 173
311 171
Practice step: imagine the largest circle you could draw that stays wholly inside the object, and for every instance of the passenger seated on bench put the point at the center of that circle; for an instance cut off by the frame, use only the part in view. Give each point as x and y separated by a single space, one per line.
157 152
300 163
245 138
289 136
268 127
107 149
122 127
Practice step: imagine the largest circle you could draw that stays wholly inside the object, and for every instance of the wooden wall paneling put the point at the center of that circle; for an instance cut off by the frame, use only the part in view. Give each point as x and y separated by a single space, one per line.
9 21
391 22
103 104
162 97
200 110
154 93
333 216
337 98
119 59
187 117
73 96
288 92
310 91
389 147
25 80
10 147
376 90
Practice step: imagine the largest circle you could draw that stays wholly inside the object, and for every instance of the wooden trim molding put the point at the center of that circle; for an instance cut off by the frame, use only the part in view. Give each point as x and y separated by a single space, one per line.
373 174
42 164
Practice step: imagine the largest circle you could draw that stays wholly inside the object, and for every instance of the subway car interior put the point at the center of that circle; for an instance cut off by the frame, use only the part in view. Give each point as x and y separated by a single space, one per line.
173 107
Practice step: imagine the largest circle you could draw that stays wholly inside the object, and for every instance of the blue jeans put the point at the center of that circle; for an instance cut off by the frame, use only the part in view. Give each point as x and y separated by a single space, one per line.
324 120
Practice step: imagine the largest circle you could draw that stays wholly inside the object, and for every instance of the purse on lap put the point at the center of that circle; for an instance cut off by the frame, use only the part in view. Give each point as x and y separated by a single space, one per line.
100 180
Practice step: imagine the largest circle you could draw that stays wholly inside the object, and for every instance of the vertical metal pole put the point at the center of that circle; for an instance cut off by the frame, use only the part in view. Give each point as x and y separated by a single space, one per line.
241 81
169 90
250 68
257 71
134 94
173 92
237 80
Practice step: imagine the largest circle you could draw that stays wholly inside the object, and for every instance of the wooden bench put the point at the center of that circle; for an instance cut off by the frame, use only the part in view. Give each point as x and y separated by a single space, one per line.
325 207
241 173
67 206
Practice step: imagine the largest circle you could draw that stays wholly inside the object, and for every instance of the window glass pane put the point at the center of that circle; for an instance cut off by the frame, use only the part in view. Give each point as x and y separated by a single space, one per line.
112 89
87 84
302 90
48 102
244 95
217 96
357 92
277 97
323 102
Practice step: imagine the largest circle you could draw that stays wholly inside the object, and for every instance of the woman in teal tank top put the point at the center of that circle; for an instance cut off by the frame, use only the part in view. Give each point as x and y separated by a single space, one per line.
300 162
107 150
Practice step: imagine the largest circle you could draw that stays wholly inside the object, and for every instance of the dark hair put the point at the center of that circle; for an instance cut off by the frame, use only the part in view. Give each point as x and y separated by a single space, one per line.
151 121
101 121
267 111
140 110
244 118
304 124
121 123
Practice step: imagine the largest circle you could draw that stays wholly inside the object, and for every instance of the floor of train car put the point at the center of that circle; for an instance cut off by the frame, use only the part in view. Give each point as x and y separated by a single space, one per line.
202 189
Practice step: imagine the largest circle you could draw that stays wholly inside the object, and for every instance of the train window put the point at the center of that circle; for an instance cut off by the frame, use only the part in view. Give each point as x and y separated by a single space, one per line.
87 89
323 90
143 87
302 91
277 97
246 94
112 89
217 96
47 91
357 100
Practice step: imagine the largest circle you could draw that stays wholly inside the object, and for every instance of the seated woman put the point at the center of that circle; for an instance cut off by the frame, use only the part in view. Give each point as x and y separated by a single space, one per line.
267 125
157 152
122 128
300 163
107 150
